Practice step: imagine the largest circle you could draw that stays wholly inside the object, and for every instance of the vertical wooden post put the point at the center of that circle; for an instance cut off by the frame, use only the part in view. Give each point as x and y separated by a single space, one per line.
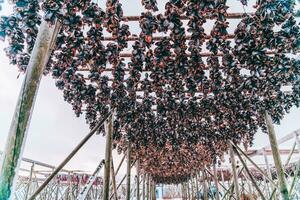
297 142
205 189
109 132
235 176
113 178
223 180
153 190
268 170
144 182
138 180
276 157
128 171
192 188
29 181
17 134
188 190
249 183
147 189
69 195
216 181
197 186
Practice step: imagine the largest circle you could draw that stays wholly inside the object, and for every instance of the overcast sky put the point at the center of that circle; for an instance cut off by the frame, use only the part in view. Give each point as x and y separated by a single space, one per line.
54 129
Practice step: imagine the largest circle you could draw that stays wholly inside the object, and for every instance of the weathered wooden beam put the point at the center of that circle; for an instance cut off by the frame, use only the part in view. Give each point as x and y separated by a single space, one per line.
216 181
297 167
235 176
29 181
128 173
113 179
185 17
108 146
254 164
276 156
21 120
205 188
143 189
148 188
87 187
138 180
69 157
249 175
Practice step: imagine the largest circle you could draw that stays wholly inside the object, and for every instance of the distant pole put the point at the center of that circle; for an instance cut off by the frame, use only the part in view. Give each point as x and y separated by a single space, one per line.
147 191
250 175
143 190
128 171
205 189
138 180
192 188
109 132
113 178
188 187
153 190
29 181
216 181
21 120
235 175
276 156
197 186
268 170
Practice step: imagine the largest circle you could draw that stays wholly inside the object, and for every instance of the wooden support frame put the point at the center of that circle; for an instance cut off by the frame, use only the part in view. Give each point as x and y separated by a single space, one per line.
254 164
113 179
138 180
276 156
143 189
204 182
17 135
297 141
70 156
249 174
128 173
109 132
29 181
216 181
235 176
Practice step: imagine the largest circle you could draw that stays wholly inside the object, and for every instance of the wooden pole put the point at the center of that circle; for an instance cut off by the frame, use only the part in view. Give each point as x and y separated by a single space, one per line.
89 184
138 180
276 156
188 190
222 177
268 170
29 181
69 157
121 182
123 158
109 132
254 164
205 189
250 175
113 179
192 188
153 190
128 171
147 192
216 182
143 190
17 134
235 176
297 166
197 186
